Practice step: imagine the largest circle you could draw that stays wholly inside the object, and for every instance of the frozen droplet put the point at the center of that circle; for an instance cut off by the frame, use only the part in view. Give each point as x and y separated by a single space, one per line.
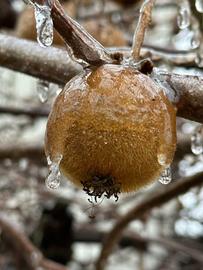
162 159
195 42
35 258
58 91
190 165
165 176
197 141
23 164
43 90
183 19
54 177
44 24
199 5
199 60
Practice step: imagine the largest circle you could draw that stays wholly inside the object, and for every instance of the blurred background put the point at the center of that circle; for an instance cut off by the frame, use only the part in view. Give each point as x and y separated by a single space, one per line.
62 223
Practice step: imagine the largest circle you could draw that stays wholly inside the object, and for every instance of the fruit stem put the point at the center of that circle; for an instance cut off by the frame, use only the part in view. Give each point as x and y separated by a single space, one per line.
81 44
143 22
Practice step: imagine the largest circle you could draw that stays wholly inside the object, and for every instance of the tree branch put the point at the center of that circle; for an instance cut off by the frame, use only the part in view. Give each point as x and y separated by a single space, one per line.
143 22
28 57
147 204
81 44
32 112
189 92
28 253
35 152
55 65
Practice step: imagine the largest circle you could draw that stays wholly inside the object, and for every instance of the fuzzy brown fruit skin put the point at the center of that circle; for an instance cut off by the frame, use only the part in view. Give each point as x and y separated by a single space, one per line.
112 122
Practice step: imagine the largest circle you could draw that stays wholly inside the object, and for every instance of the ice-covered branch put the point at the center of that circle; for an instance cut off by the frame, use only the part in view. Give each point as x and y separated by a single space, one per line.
55 65
144 20
82 46
189 92
28 57
147 204
26 251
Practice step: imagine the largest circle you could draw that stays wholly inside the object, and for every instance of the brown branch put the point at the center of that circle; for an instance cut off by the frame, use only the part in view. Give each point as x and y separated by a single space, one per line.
28 253
138 242
188 90
173 57
55 65
81 44
28 57
35 152
173 244
32 112
147 204
143 22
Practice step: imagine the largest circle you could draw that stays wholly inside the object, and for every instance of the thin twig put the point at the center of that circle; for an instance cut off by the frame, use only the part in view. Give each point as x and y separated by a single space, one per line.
32 151
28 253
147 204
143 22
32 112
139 242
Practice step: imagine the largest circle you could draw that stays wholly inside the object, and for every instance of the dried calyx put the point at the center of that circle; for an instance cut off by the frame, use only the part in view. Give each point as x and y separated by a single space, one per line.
112 123
98 186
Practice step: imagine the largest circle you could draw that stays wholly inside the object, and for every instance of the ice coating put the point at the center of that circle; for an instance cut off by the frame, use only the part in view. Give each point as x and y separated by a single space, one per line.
183 19
44 24
197 141
112 122
43 90
54 177
199 5
166 177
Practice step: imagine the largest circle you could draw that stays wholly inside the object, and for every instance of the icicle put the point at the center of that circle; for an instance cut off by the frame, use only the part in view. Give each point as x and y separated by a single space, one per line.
44 24
54 177
197 141
199 5
166 176
184 16
195 42
43 90
162 159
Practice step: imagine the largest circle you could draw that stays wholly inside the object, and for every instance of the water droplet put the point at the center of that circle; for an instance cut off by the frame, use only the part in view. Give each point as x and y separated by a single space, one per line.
195 42
199 5
162 159
35 258
44 24
53 179
166 176
43 90
197 141
183 19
